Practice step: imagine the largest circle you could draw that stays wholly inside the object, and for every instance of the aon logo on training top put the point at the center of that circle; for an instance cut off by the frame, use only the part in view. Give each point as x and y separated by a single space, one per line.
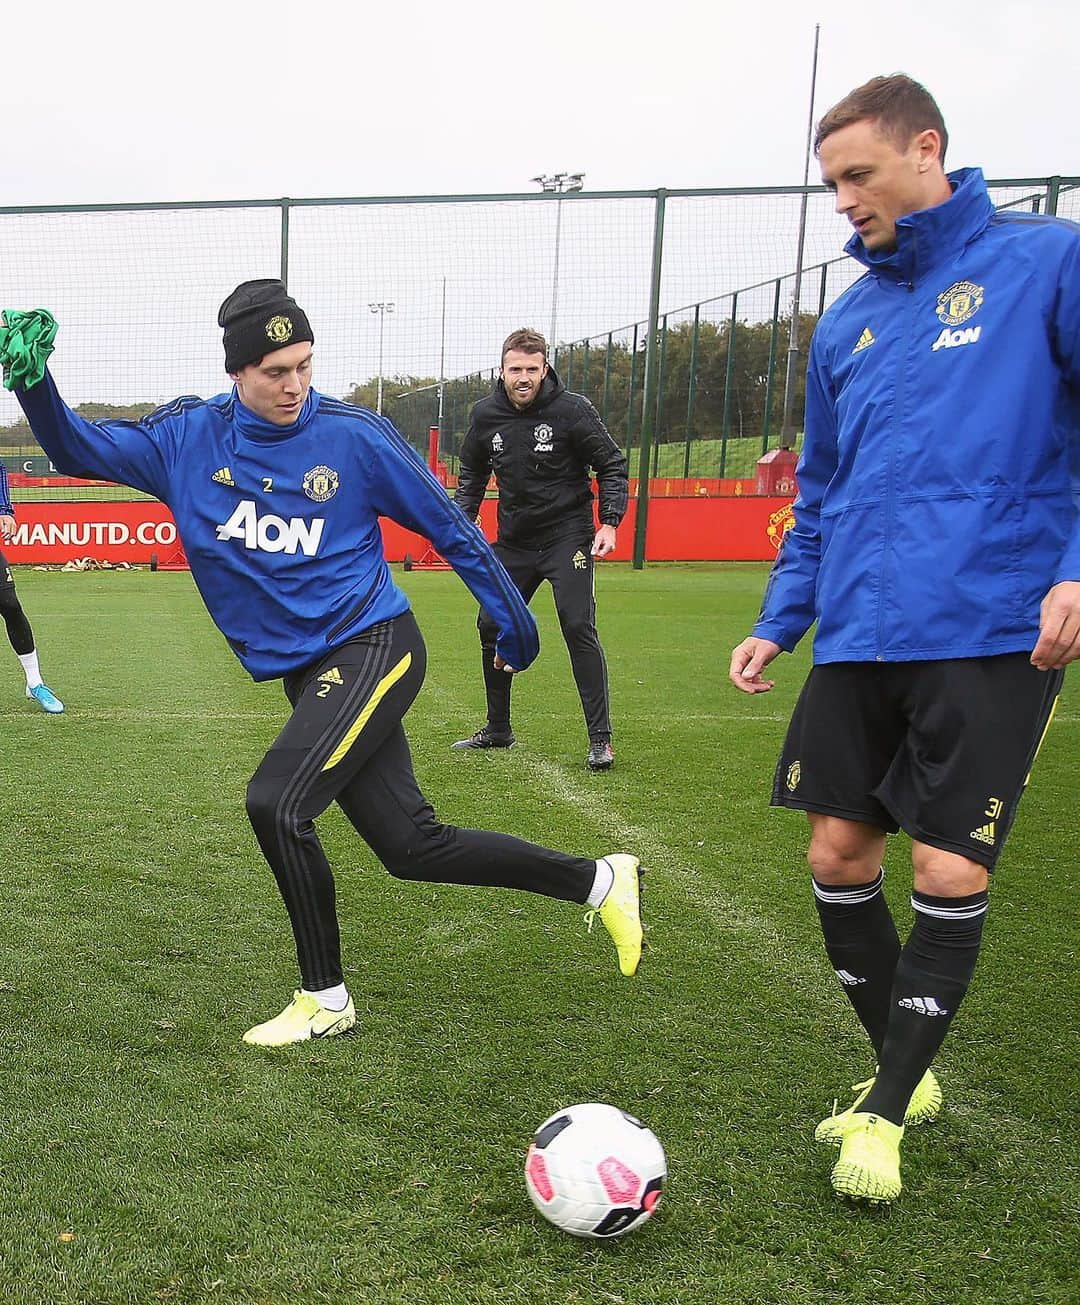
949 339
271 534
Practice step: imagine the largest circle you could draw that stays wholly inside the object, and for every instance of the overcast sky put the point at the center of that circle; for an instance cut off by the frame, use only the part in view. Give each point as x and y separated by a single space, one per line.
120 101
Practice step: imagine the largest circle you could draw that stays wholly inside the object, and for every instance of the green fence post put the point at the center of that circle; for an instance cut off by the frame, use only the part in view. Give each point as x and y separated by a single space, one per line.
630 395
285 242
659 427
649 389
772 366
821 293
585 367
607 381
569 377
729 372
1053 190
691 390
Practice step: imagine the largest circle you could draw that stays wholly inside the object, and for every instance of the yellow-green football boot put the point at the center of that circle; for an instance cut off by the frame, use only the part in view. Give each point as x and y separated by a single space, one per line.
868 1168
620 910
923 1108
302 1018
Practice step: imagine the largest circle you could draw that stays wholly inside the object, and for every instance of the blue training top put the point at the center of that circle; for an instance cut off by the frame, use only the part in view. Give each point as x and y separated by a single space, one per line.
939 483
280 523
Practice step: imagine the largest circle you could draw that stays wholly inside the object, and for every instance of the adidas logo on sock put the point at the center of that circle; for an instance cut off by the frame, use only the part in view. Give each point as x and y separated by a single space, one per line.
847 978
922 1005
332 676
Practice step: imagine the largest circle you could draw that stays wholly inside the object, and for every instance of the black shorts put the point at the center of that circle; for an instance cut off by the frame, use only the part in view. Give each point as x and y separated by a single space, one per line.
940 749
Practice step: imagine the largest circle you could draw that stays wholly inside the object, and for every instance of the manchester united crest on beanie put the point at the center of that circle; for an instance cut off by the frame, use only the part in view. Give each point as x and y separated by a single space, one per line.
259 317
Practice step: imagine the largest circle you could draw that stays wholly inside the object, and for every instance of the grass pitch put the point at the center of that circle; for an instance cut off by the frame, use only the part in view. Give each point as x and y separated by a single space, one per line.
146 1155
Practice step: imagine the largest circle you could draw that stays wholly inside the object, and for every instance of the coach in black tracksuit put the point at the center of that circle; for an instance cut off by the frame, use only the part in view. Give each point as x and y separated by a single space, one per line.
541 440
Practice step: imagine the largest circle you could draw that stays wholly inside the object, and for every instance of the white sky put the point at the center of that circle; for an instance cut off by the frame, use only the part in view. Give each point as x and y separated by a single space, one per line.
119 101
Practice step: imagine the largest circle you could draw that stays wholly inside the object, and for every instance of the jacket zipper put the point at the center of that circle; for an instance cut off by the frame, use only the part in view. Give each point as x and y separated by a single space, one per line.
890 484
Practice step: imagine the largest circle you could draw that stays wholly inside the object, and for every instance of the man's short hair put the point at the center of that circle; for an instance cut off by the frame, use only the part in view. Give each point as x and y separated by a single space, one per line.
524 340
899 107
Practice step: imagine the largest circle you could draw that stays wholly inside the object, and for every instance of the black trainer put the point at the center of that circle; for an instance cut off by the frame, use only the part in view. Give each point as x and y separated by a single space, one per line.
487 738
601 755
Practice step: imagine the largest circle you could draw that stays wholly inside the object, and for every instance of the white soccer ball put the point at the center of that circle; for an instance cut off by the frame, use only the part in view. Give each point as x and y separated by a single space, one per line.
595 1171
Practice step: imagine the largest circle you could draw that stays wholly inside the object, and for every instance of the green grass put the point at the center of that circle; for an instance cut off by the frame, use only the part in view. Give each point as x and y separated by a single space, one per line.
146 1155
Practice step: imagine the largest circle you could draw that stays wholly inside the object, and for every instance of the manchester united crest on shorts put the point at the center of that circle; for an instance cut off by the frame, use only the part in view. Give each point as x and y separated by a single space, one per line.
279 329
321 483
794 774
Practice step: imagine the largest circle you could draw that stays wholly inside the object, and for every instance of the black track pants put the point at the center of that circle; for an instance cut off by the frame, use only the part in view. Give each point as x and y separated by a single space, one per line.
344 742
568 565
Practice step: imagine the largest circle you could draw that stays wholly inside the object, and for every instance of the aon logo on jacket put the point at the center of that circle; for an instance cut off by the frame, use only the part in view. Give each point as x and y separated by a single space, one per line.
949 339
272 534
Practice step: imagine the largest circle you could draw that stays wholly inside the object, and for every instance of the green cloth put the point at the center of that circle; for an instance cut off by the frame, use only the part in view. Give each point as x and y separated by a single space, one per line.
26 340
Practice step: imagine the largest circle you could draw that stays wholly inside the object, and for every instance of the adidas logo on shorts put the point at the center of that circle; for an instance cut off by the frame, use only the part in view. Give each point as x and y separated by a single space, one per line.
984 834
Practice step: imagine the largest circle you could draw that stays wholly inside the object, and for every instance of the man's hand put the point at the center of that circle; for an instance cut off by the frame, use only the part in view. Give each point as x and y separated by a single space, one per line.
1059 628
501 665
7 526
604 543
748 660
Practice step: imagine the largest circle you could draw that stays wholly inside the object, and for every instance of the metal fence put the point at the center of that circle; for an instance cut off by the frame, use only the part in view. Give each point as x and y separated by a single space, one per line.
669 308
721 366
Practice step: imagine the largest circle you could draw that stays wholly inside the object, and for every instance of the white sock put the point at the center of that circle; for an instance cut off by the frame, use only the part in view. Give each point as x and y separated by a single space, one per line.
335 998
30 666
601 884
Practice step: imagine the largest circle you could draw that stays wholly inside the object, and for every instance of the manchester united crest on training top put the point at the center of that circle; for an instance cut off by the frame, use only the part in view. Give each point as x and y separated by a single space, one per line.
321 483
959 302
279 329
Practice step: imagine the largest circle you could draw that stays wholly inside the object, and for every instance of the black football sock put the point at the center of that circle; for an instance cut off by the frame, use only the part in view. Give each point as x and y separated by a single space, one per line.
497 690
863 947
932 977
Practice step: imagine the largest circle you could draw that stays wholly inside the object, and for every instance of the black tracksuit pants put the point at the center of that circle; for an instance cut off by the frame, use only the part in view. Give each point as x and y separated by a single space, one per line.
344 742
568 565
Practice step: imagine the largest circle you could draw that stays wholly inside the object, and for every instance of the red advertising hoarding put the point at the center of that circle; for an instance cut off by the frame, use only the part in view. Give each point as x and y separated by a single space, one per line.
680 530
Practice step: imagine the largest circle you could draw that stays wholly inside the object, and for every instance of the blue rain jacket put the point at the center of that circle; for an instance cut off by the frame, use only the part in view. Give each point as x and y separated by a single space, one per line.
939 484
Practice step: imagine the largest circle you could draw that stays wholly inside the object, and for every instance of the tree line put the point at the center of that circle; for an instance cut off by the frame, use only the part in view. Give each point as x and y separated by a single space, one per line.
702 394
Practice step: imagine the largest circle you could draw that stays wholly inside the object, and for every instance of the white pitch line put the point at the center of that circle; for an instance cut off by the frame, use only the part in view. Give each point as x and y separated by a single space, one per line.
557 781
74 714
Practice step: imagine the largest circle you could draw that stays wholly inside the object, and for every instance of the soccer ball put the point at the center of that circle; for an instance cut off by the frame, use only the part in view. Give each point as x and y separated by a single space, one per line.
595 1171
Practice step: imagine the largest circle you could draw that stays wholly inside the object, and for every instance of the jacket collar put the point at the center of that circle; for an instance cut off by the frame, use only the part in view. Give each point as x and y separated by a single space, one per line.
932 235
256 428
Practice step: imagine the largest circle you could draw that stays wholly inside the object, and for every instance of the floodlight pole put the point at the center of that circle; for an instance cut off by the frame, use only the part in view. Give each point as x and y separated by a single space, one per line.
382 307
787 435
558 183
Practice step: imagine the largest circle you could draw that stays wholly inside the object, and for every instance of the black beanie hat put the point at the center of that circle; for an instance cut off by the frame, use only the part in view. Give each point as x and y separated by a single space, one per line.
259 317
